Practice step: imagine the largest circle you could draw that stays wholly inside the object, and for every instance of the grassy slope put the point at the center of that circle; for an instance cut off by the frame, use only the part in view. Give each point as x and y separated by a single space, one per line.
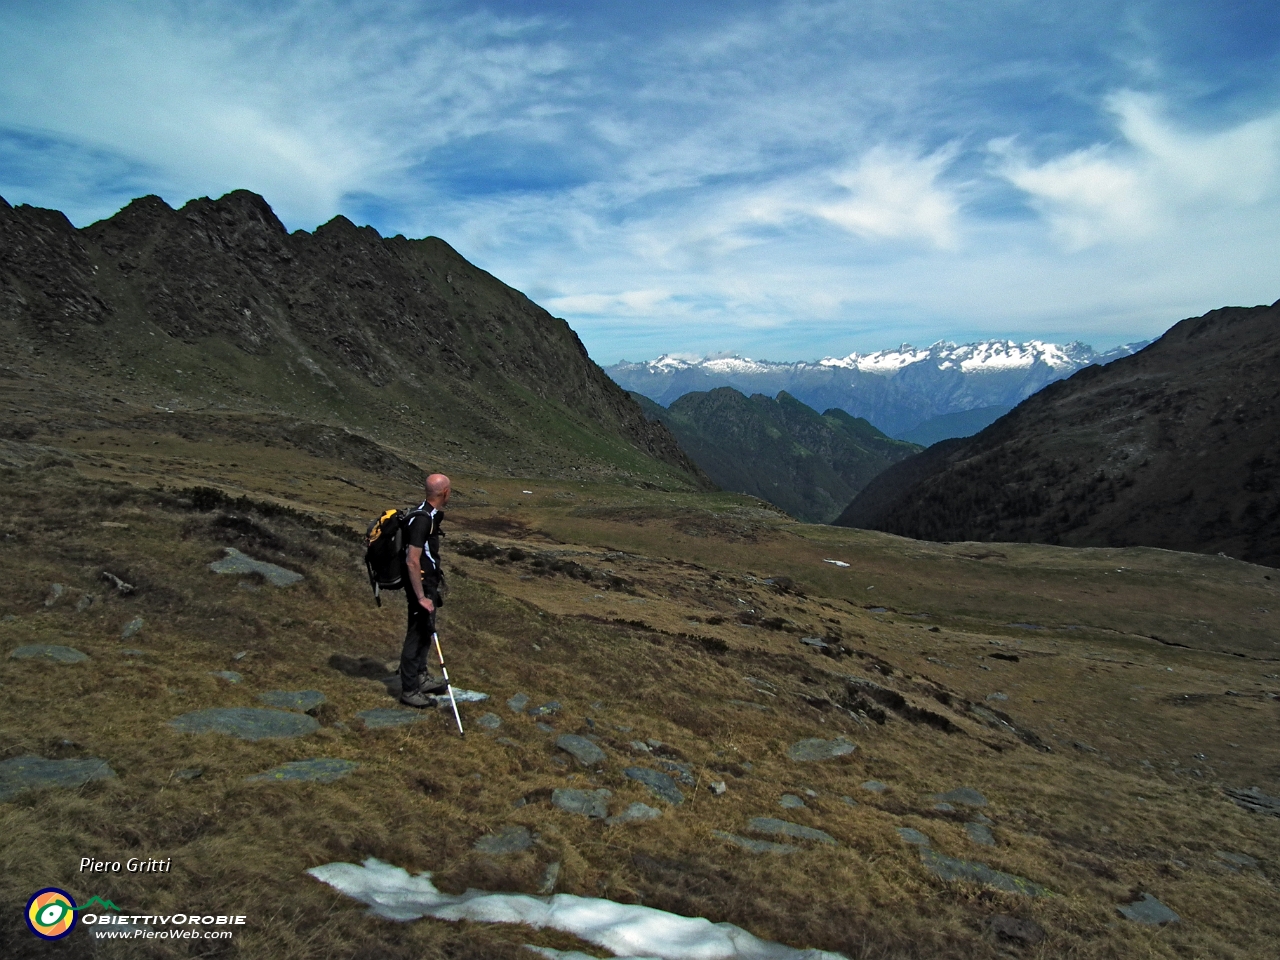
662 639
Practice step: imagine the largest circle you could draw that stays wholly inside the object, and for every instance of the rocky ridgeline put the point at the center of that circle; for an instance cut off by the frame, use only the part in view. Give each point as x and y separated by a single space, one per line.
338 314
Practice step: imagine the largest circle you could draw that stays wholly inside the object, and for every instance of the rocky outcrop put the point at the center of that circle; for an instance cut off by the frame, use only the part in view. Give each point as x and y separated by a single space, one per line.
340 321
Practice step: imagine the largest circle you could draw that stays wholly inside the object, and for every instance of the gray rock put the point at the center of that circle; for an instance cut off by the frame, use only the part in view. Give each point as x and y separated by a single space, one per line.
660 784
488 721
980 833
1254 800
188 773
303 700
1238 859
506 840
517 703
546 710
1148 910
122 588
790 801
545 727
755 846
997 696
33 773
850 801
814 642
680 772
56 590
247 723
1013 928
717 787
322 770
380 717
85 602
817 749
874 786
588 803
49 651
786 828
950 868
581 749
944 808
966 796
639 746
912 836
549 878
634 813
237 564
131 628
228 675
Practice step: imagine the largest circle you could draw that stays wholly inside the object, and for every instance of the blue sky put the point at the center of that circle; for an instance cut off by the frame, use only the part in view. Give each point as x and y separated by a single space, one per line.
785 180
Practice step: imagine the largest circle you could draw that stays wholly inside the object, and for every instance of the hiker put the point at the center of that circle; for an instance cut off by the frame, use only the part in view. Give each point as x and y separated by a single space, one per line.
423 576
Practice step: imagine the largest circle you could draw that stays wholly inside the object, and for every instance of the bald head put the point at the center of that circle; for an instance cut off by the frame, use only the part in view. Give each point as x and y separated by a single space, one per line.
438 488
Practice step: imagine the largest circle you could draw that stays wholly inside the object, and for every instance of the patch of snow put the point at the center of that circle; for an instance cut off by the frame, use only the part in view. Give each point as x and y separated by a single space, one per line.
629 930
736 365
463 696
668 362
551 953
838 563
891 361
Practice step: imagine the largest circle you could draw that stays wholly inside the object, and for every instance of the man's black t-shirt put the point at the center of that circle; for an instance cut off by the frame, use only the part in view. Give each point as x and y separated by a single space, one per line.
422 530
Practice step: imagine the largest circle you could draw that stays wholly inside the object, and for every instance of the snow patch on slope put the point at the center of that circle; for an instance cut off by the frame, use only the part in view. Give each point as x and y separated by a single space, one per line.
626 929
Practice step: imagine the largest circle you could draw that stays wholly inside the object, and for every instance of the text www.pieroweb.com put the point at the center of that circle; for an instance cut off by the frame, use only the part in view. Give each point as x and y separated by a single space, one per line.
177 926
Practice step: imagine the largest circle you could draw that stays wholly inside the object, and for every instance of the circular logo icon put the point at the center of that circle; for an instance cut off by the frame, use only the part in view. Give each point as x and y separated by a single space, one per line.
51 913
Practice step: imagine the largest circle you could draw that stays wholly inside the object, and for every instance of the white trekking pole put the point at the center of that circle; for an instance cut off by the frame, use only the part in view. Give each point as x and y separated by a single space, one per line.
447 685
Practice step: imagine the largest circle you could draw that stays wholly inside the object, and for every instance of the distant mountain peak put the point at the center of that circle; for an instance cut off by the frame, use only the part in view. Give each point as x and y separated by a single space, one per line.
976 357
897 389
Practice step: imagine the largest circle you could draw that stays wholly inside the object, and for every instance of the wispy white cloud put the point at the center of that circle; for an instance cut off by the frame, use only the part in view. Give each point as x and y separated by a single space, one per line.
789 178
1160 177
305 102
896 196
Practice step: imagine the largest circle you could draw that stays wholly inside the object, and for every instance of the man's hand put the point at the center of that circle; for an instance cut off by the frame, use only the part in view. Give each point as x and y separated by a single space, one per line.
426 604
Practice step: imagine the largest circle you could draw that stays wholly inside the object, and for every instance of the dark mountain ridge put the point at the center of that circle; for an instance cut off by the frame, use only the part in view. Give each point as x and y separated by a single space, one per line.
217 307
779 449
1177 446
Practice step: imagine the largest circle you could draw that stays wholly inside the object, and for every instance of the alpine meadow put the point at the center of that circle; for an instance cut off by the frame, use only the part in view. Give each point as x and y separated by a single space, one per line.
674 698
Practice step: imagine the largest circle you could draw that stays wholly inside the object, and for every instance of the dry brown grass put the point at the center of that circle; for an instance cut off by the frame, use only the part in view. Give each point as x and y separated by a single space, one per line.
660 650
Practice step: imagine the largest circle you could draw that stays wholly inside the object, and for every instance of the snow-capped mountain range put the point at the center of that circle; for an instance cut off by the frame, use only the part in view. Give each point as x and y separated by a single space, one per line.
899 390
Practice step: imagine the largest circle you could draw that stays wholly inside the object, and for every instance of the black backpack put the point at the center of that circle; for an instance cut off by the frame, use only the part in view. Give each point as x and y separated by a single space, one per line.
383 549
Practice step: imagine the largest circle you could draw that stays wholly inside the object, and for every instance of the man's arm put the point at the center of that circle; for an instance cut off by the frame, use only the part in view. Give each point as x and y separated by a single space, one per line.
413 560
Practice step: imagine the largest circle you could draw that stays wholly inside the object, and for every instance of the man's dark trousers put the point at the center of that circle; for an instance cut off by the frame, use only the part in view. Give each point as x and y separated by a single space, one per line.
417 643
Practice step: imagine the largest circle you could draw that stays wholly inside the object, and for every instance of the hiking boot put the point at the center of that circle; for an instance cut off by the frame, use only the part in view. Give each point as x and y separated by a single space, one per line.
418 699
430 684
